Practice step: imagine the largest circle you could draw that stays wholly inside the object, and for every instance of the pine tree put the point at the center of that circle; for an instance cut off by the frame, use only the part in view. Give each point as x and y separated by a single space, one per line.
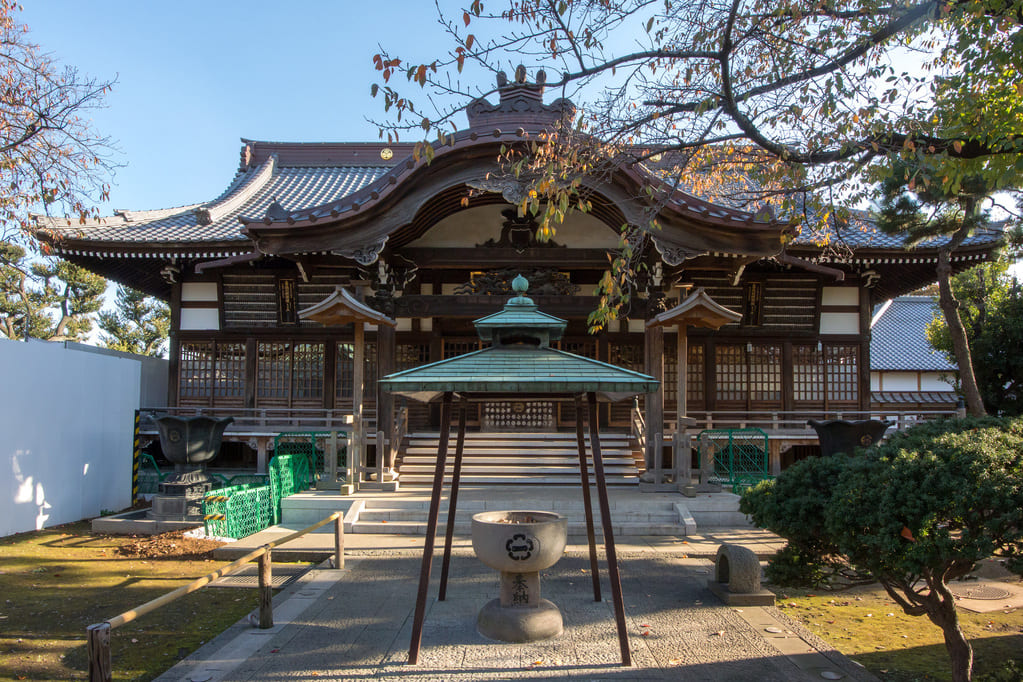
138 325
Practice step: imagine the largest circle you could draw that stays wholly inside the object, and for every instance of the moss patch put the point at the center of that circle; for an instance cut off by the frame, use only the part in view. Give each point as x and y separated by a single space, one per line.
56 582
866 625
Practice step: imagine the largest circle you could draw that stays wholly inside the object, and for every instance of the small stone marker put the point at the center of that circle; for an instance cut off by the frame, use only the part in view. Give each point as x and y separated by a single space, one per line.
737 578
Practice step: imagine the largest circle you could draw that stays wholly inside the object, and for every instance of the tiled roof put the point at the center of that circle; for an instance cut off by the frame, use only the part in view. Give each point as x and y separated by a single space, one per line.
250 193
898 340
301 177
862 232
946 398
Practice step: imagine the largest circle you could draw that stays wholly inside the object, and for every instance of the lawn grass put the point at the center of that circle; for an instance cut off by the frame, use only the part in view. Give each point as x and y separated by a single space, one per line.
866 625
56 582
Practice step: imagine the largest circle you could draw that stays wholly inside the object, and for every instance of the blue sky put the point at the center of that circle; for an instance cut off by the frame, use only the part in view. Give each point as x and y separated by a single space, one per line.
194 77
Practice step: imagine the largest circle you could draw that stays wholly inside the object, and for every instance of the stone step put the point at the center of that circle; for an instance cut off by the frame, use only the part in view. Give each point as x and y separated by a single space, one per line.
408 515
523 469
530 456
464 528
668 516
419 480
539 450
516 458
528 435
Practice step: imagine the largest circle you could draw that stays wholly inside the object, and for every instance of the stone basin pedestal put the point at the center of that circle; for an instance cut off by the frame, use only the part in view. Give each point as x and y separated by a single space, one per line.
519 544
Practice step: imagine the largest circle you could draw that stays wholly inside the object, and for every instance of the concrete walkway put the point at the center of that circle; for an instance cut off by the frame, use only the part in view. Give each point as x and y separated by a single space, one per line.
355 623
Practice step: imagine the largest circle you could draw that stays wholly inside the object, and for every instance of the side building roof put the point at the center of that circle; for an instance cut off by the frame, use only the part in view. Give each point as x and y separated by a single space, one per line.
898 339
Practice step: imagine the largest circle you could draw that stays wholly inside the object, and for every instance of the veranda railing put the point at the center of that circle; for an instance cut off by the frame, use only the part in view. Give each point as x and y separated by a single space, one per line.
781 422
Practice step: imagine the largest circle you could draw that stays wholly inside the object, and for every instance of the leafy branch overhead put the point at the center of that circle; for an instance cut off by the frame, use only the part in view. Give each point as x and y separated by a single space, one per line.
816 84
793 103
51 160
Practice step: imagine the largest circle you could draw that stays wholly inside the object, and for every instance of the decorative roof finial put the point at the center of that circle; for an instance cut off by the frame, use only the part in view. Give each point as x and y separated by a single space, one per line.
520 284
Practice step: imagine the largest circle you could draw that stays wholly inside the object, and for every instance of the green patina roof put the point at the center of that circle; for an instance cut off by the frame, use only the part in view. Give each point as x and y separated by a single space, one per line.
520 315
524 365
518 369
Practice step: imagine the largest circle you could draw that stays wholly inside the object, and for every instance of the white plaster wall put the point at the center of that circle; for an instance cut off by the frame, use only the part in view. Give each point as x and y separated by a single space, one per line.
840 323
840 296
899 381
66 420
933 381
200 318
906 381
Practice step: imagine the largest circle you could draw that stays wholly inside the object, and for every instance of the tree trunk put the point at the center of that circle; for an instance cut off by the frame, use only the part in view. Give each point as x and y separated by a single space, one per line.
942 611
960 651
956 331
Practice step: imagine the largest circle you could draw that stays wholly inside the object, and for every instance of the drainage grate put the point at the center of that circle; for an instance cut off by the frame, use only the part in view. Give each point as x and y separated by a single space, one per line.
281 575
968 591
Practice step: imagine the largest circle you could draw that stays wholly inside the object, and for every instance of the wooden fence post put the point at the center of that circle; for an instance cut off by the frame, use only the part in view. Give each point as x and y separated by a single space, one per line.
98 644
339 541
266 594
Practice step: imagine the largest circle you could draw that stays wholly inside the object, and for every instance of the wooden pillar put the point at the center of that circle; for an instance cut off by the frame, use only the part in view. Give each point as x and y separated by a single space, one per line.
431 531
681 455
463 407
358 453
385 401
339 537
266 590
98 645
584 475
654 364
174 346
864 366
788 373
251 358
682 362
614 577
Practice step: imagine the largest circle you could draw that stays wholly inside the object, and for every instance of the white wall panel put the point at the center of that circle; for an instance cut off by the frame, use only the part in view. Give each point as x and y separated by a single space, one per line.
840 323
67 423
199 291
200 318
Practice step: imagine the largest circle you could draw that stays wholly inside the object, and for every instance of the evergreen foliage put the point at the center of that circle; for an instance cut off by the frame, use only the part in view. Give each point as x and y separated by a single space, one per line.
914 513
139 324
48 299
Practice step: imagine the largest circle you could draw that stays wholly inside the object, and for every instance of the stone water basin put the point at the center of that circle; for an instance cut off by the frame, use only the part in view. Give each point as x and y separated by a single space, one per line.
519 544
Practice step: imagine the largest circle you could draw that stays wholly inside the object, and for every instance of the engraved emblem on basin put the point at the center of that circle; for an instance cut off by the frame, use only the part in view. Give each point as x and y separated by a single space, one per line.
521 546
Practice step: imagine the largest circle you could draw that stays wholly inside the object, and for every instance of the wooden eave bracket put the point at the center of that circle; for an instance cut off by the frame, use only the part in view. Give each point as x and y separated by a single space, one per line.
227 262
786 259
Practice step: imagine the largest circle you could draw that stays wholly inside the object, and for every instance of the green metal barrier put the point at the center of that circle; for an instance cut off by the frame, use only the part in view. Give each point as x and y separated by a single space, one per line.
740 455
237 511
289 474
312 444
149 475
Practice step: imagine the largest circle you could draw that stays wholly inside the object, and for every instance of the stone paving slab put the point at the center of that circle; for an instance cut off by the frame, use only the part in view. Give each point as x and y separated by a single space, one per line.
355 624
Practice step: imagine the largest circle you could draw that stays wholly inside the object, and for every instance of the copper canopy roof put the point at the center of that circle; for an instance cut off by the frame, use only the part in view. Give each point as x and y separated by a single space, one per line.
519 363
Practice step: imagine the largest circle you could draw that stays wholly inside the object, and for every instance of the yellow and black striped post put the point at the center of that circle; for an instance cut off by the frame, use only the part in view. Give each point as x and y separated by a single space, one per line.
136 460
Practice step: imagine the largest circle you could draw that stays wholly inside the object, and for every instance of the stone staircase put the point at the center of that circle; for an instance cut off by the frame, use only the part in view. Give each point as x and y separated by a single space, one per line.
549 459
405 512
407 517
